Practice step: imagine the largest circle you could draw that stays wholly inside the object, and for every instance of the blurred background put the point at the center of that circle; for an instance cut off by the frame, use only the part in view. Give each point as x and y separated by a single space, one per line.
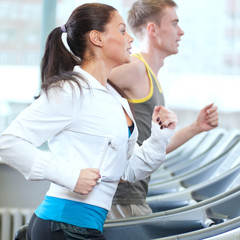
206 69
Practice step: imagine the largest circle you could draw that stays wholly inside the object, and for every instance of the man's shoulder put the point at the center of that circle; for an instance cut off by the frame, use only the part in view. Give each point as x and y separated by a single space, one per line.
135 67
128 74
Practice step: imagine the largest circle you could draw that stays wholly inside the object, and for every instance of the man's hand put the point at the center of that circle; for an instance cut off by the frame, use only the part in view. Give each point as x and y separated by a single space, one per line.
207 118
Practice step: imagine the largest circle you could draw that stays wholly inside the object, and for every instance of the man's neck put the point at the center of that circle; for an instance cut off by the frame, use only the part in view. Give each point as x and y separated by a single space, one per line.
152 57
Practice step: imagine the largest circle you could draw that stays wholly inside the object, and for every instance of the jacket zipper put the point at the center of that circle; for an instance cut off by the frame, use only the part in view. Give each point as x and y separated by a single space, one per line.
105 152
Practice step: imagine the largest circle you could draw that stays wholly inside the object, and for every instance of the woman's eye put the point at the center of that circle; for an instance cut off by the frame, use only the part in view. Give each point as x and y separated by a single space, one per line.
123 31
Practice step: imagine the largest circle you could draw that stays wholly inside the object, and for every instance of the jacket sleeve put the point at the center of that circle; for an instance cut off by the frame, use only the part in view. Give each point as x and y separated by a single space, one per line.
43 119
147 158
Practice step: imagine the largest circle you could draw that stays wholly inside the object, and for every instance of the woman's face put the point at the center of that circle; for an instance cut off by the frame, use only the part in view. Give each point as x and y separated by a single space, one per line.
117 42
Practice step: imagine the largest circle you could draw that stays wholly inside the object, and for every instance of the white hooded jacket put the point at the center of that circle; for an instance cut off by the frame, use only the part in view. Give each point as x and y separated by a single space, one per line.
85 129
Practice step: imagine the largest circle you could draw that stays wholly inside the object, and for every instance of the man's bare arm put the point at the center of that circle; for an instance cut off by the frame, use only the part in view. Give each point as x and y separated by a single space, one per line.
207 120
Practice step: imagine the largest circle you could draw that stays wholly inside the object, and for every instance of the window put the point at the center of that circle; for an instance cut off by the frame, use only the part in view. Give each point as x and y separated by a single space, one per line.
205 70
207 67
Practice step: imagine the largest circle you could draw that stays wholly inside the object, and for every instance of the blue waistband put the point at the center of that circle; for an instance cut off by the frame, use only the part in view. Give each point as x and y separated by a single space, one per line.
72 212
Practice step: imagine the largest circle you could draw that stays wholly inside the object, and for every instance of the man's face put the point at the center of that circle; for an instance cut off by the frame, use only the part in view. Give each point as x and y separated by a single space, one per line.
169 33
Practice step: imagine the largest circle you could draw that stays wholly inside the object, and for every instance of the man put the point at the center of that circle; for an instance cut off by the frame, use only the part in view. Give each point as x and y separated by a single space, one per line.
155 25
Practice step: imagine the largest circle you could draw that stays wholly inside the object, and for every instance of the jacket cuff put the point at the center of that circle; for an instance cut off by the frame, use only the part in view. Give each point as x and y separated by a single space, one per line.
159 139
61 173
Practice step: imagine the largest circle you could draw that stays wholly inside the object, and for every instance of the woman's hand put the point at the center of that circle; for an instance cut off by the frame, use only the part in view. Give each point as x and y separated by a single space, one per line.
87 180
164 117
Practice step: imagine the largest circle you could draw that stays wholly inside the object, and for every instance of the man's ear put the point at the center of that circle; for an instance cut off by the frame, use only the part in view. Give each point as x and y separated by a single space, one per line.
151 29
95 38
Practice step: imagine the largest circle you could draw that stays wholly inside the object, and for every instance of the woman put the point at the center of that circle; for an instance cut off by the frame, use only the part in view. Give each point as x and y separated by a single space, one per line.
89 128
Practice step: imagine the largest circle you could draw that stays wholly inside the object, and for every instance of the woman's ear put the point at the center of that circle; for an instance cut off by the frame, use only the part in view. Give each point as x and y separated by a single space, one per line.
95 38
151 29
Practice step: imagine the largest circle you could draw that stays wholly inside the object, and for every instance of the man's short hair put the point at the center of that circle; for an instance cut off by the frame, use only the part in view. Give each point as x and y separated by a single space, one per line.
143 11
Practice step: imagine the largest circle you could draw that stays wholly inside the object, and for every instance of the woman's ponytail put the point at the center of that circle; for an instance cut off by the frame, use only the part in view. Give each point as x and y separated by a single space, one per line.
57 59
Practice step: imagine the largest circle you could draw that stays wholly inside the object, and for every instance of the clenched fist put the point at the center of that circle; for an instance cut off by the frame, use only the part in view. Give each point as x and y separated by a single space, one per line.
87 180
164 117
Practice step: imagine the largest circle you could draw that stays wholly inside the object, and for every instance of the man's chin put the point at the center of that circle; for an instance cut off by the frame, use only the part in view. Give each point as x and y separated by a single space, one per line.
128 60
175 52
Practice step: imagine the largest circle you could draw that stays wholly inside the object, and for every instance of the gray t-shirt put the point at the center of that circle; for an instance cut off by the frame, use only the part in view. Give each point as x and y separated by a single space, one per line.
136 193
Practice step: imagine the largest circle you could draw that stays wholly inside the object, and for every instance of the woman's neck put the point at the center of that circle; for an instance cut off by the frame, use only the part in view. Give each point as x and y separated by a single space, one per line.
98 70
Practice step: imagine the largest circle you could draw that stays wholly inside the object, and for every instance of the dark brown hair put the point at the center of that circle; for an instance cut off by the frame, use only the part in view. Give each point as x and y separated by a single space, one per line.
58 62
